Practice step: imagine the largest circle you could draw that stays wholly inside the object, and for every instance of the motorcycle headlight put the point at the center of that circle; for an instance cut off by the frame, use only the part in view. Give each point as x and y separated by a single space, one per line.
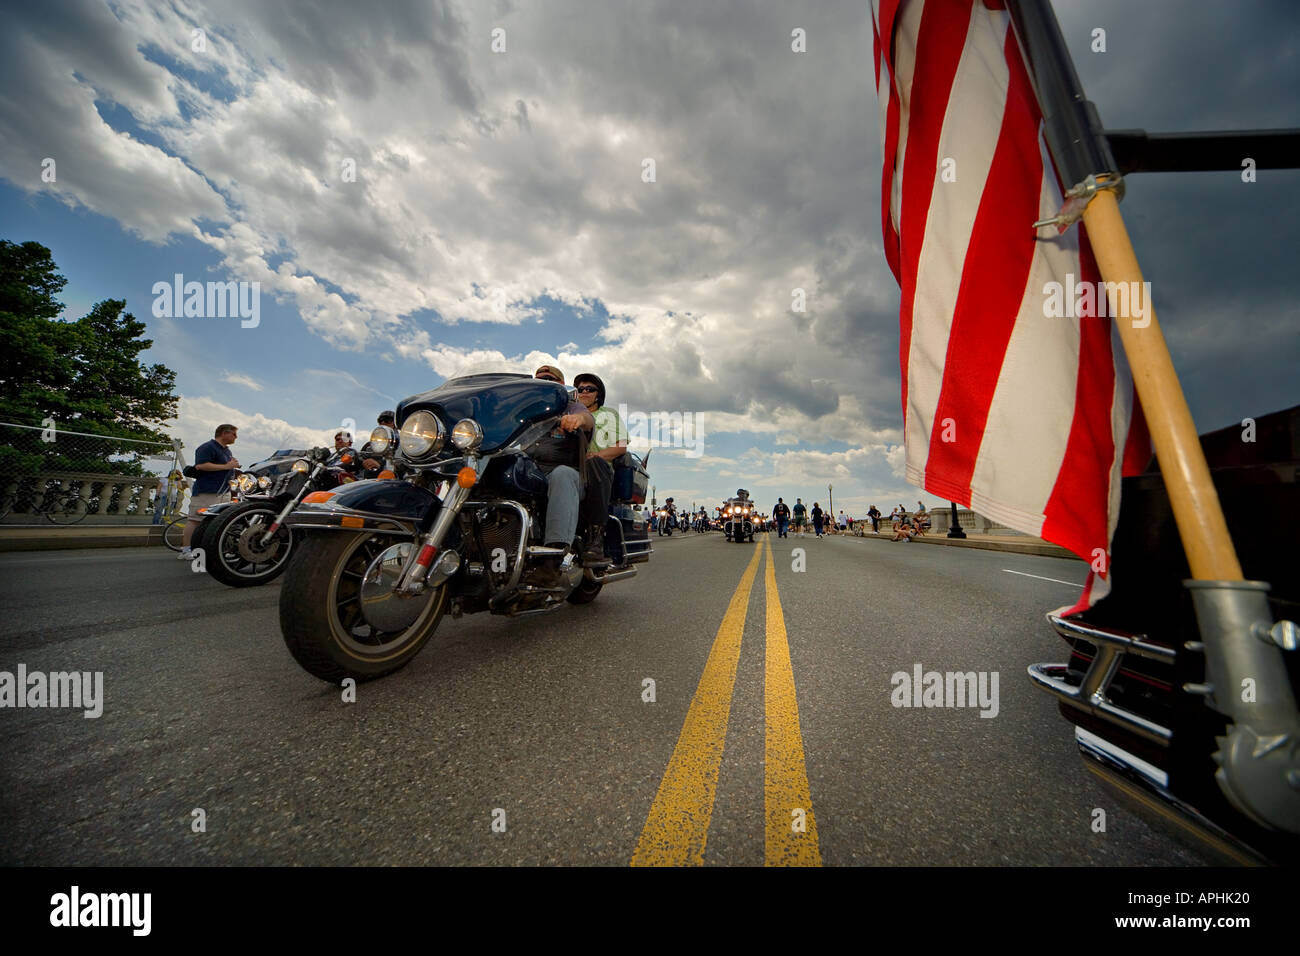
422 436
302 466
263 483
381 440
467 435
246 483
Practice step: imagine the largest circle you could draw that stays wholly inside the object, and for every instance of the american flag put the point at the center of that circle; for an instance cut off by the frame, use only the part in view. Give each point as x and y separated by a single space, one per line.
1027 418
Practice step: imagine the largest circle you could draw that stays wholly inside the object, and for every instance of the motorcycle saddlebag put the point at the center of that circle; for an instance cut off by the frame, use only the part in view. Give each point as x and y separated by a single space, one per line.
631 480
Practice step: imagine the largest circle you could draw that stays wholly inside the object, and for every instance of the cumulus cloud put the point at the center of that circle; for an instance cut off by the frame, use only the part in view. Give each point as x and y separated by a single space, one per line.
388 174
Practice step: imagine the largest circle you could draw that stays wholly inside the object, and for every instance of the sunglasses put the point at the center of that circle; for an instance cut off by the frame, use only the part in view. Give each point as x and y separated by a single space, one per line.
587 388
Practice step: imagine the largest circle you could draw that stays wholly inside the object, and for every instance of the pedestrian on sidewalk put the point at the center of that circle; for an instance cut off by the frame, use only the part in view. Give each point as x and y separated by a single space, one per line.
214 463
874 514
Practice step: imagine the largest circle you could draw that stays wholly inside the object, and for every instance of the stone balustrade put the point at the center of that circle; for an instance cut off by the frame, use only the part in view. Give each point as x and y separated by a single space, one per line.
111 499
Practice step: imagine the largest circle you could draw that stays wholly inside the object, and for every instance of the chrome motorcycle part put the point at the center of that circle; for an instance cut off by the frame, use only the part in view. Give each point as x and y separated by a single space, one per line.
467 435
1259 758
1092 694
382 604
422 436
382 440
302 466
414 572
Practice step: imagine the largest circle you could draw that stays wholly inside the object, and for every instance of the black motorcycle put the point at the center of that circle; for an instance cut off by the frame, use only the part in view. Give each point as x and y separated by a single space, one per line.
738 522
246 543
380 562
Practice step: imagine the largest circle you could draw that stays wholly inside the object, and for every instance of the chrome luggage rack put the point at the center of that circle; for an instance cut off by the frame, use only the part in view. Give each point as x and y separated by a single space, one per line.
1091 696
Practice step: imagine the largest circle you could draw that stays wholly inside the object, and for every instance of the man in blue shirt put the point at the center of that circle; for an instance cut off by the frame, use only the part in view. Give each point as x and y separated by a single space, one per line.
214 463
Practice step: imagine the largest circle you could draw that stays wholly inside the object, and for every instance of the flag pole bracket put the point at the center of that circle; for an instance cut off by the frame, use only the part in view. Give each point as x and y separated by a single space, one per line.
1259 755
1079 195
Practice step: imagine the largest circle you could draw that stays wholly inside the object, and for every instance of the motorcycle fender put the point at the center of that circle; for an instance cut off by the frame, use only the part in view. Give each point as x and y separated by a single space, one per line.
383 506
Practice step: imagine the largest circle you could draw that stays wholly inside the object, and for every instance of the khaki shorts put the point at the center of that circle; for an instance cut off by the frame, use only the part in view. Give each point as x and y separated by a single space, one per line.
205 501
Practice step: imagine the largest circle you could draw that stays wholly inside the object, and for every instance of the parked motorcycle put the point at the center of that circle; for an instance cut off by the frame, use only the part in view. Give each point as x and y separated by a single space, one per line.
380 562
245 542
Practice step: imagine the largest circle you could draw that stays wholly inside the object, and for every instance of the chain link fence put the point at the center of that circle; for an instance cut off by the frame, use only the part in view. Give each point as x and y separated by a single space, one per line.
53 476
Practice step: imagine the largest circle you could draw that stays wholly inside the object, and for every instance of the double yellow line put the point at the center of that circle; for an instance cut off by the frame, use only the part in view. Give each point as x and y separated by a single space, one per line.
677 826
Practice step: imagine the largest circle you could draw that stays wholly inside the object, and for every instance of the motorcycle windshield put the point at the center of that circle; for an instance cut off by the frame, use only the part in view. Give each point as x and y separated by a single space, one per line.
501 403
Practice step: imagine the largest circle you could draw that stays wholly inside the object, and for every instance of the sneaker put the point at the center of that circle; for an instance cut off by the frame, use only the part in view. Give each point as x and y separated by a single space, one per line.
185 554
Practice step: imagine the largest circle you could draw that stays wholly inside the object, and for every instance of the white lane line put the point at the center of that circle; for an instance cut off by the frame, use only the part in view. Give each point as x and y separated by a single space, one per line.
1073 584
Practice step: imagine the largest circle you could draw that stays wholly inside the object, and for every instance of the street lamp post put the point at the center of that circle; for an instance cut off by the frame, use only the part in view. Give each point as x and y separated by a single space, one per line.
954 529
830 500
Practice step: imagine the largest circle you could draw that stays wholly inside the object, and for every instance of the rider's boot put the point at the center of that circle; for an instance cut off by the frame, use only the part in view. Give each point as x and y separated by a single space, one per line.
594 555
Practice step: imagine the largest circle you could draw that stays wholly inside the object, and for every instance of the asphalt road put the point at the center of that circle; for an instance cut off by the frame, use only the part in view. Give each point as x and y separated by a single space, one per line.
772 735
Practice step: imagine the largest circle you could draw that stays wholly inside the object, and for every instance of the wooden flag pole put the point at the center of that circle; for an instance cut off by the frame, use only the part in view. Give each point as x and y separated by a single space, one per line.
1077 140
1201 525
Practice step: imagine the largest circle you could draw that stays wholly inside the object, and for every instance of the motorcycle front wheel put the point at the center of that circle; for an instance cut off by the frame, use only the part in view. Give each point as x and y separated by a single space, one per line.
235 554
321 616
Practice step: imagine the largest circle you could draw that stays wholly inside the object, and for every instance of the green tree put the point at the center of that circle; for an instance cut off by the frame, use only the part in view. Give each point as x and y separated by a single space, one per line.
86 374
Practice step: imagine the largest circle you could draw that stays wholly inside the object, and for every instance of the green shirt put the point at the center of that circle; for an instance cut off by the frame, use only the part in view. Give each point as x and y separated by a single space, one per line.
610 429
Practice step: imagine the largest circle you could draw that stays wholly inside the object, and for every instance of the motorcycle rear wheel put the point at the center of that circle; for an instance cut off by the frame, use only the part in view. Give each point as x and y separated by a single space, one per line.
320 611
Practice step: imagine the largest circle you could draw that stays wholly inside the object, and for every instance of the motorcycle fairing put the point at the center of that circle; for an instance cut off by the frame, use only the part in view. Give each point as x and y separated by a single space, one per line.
378 505
502 404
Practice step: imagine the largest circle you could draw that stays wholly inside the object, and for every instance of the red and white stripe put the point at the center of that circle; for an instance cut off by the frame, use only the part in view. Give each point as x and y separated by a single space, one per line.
1041 407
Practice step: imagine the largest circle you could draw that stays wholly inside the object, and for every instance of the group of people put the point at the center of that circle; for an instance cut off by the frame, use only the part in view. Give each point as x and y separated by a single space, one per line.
798 517
905 526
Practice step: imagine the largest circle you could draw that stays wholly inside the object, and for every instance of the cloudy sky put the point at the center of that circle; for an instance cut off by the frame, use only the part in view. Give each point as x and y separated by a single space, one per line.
499 215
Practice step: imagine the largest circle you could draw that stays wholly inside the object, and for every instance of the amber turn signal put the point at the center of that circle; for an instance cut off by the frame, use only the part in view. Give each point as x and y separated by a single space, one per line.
318 497
466 477
385 475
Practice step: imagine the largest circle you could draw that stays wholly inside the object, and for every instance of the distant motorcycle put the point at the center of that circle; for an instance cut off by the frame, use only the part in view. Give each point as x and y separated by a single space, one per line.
246 543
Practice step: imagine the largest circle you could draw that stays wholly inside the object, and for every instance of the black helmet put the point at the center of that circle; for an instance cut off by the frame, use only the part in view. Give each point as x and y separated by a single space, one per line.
594 380
669 500
387 417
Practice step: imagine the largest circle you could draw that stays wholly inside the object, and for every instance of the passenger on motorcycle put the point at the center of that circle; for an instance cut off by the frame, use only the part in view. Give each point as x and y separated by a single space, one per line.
608 444
554 455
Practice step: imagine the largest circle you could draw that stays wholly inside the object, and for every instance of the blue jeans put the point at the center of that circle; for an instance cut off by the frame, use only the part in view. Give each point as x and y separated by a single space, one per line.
561 505
780 526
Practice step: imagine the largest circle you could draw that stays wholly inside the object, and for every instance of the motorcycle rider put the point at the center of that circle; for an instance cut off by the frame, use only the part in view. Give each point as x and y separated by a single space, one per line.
554 455
670 519
342 440
608 444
